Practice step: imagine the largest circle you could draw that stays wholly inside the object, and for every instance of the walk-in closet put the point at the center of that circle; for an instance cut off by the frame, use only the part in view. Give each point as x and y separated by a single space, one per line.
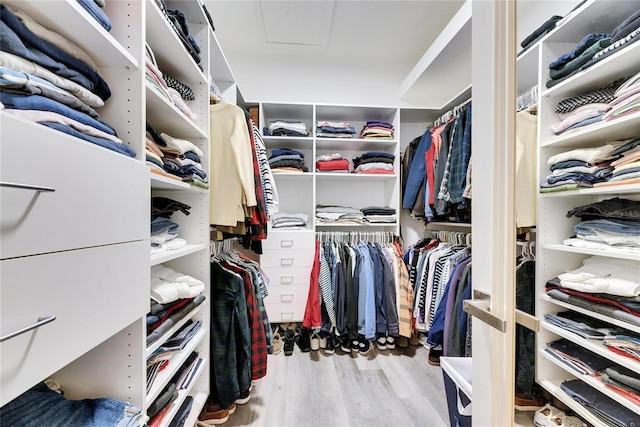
319 213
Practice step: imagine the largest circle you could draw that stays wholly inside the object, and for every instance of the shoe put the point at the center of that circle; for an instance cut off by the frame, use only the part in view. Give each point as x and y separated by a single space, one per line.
289 340
345 345
414 339
215 407
403 342
381 342
277 343
213 418
524 404
434 356
545 416
567 421
355 346
391 343
330 346
303 341
364 346
323 340
244 397
314 341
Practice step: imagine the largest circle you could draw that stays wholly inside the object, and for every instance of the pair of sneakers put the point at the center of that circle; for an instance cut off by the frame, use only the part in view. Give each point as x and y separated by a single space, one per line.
550 416
384 342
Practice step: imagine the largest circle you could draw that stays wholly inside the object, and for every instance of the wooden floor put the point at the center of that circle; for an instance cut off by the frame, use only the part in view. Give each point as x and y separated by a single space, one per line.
384 388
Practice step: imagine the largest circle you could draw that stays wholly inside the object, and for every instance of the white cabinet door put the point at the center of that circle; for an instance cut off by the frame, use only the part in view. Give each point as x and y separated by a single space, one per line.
493 216
93 293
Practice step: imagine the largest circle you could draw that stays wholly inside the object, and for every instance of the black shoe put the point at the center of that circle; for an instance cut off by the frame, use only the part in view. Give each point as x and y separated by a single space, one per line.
289 339
330 348
304 343
355 346
381 342
434 357
364 346
345 344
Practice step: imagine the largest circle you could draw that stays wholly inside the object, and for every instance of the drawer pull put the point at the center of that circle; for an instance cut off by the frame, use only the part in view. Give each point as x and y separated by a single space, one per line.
286 297
41 321
286 261
286 280
26 187
286 315
286 243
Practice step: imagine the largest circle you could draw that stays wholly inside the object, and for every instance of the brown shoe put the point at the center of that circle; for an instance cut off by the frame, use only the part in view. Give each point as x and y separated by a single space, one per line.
434 357
214 418
215 407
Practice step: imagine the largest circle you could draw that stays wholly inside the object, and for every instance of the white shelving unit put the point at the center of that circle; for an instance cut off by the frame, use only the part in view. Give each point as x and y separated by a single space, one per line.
100 327
553 257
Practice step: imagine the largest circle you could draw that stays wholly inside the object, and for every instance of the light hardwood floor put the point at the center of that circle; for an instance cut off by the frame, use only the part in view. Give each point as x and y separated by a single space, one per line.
384 388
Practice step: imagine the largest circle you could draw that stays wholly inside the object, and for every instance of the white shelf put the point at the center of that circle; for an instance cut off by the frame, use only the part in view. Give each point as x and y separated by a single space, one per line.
293 175
613 253
321 225
166 117
527 68
327 176
598 134
159 182
175 362
553 386
199 400
604 318
614 189
158 343
182 395
594 346
355 144
171 55
303 141
599 75
178 253
595 384
85 32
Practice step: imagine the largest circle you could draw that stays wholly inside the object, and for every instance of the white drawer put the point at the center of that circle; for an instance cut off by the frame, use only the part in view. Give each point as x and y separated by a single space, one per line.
289 240
285 312
287 258
288 276
93 293
100 197
287 294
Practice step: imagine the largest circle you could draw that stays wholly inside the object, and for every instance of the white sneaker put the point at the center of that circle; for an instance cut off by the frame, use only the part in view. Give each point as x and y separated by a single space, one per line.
545 416
567 421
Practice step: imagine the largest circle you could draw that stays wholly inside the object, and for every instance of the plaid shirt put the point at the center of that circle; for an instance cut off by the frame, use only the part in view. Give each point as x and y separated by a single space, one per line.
230 372
256 326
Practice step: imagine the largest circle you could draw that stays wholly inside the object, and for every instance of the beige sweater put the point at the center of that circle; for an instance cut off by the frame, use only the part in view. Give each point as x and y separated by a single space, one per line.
231 183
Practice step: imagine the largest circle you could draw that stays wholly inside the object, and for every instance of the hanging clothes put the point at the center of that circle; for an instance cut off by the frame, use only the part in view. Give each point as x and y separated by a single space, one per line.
241 335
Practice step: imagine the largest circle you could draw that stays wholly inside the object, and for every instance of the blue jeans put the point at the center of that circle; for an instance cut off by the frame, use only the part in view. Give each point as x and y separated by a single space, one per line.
613 226
102 142
582 45
92 8
41 406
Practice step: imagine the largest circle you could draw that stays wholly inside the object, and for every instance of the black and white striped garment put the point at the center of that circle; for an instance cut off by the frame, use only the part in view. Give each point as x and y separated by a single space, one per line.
324 282
185 91
268 183
604 95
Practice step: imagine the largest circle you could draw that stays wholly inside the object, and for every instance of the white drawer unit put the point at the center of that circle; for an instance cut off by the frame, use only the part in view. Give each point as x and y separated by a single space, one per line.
287 276
285 312
92 293
287 294
289 240
287 258
60 193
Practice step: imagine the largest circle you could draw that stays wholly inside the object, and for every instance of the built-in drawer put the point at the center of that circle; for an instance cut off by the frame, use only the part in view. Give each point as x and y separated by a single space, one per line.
93 293
289 240
287 294
287 258
59 192
288 276
285 312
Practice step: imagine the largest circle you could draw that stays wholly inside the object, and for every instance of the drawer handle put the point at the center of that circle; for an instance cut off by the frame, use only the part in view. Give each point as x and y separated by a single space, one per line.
286 280
286 316
41 321
286 297
286 243
286 261
27 187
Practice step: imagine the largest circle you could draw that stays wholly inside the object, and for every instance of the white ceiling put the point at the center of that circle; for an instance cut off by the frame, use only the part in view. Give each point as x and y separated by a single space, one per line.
355 52
334 52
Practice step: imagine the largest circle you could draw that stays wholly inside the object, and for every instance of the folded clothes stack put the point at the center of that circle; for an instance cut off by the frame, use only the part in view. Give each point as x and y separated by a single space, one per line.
328 129
375 129
287 160
286 128
283 220
334 163
374 162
